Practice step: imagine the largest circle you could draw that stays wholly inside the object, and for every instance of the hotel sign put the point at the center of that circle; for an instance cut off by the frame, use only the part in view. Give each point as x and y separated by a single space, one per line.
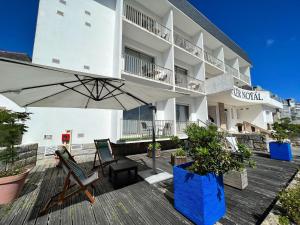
246 95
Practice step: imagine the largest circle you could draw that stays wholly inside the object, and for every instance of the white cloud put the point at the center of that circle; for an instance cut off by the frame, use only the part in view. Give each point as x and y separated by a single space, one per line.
270 42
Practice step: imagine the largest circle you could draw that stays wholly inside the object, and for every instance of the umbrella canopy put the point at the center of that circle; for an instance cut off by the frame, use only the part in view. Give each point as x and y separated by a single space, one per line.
35 85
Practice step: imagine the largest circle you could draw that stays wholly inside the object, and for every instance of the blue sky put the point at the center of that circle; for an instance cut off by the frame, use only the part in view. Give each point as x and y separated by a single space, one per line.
17 23
268 30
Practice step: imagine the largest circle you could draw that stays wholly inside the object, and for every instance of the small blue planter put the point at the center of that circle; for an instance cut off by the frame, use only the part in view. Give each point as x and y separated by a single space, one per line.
199 198
281 151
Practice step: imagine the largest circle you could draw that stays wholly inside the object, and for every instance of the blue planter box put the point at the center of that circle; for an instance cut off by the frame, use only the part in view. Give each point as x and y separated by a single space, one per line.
281 151
199 198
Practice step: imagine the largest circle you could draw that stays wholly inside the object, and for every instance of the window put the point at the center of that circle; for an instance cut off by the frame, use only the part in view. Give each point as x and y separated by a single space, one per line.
80 135
48 137
181 78
63 2
88 13
86 67
88 24
138 62
60 13
182 113
139 113
54 60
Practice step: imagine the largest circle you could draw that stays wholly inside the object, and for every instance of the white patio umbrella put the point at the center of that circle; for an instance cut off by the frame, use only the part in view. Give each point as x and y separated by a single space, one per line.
32 85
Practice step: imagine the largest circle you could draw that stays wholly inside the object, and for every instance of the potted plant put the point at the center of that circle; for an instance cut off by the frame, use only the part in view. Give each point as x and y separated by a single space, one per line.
198 185
12 177
281 148
238 178
157 149
179 157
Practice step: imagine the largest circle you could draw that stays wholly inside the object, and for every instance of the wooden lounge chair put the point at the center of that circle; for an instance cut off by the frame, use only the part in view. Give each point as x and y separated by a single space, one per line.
76 176
66 154
104 153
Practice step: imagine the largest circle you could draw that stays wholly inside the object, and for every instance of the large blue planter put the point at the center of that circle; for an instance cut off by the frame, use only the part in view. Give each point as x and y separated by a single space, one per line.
199 198
281 151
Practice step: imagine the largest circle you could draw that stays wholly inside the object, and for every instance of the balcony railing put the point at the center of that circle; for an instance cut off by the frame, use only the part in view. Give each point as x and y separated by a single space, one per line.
213 60
142 129
146 22
245 78
232 71
188 46
142 68
188 82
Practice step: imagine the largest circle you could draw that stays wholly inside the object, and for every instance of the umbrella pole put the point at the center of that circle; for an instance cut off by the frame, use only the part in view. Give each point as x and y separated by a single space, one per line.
153 108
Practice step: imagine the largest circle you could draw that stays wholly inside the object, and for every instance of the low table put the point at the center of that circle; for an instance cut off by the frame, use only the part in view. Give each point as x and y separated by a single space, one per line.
121 166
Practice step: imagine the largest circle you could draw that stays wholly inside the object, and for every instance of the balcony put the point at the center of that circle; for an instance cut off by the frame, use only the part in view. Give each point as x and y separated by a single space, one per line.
142 28
213 65
245 78
232 71
144 69
142 129
188 82
190 50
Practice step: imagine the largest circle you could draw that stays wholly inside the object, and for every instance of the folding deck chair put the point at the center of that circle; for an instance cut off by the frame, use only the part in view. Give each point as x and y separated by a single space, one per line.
76 176
66 154
104 153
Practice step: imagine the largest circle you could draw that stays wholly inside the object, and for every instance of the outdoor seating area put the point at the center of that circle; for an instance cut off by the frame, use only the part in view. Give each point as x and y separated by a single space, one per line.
127 199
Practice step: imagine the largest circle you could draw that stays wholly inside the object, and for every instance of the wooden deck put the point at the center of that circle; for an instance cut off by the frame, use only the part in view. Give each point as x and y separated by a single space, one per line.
136 202
251 205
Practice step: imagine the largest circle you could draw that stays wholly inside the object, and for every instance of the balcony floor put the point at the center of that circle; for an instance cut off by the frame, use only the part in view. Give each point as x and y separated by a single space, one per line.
146 81
187 57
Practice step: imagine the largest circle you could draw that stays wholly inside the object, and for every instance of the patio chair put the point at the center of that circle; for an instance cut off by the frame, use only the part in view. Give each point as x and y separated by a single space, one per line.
104 153
76 176
145 130
66 154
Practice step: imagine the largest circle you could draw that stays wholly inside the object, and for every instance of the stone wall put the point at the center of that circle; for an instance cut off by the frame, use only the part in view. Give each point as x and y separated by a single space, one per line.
26 155
255 141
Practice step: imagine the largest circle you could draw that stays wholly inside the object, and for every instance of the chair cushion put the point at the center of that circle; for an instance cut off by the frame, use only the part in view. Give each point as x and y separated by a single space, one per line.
90 179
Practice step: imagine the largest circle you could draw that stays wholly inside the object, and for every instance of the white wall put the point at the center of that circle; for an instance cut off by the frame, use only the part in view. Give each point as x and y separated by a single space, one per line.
68 39
197 107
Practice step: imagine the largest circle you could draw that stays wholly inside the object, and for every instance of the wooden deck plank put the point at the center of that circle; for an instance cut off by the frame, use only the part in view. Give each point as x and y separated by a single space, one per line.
142 203
21 202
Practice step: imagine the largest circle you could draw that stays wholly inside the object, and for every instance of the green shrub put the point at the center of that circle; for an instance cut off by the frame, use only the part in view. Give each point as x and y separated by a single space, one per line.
157 146
176 141
284 129
290 201
179 152
209 154
11 129
283 220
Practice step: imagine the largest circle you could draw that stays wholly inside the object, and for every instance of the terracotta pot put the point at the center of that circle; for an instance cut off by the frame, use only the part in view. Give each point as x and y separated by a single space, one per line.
157 153
177 160
10 187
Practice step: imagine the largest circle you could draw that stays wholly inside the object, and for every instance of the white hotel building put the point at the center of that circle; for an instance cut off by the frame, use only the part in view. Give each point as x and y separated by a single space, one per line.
160 43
